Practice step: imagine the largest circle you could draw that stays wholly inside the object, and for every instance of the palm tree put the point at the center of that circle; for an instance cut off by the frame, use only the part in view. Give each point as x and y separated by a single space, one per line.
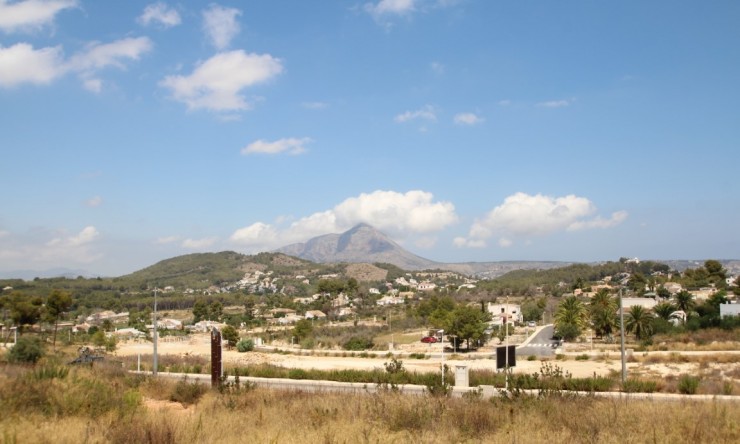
639 321
603 312
571 316
665 310
684 301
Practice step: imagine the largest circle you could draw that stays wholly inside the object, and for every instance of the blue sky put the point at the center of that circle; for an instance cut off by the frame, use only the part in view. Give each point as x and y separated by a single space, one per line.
467 130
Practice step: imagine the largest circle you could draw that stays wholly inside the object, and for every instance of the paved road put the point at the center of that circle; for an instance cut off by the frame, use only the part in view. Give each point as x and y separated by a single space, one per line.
540 344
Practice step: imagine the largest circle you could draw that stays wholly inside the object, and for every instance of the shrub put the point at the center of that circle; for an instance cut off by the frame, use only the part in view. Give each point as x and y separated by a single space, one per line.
26 351
187 392
358 343
634 385
688 384
583 357
245 345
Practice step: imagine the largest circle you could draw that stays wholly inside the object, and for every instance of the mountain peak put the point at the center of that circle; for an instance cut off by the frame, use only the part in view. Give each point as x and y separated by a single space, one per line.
361 243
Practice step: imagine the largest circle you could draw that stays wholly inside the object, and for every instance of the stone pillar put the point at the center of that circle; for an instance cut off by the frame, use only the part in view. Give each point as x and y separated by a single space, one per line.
462 376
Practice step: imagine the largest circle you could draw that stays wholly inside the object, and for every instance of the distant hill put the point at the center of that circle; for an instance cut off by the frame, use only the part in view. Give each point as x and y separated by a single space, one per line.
361 244
365 244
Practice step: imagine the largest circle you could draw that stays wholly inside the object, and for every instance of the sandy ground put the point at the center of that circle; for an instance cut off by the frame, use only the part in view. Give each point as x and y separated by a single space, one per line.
600 364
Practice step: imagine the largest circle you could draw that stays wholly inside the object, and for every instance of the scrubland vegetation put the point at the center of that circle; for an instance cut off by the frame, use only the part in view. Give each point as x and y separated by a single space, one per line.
51 402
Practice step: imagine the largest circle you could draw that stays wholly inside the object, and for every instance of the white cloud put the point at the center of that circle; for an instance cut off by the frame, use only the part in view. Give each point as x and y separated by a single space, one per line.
4 233
167 240
95 201
390 7
616 218
504 102
87 235
554 104
98 55
257 234
437 68
220 25
199 244
31 14
425 113
216 84
290 145
21 63
33 250
505 242
467 119
160 13
315 105
397 214
522 215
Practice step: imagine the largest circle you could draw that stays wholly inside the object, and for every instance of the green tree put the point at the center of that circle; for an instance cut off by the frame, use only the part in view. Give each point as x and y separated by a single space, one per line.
571 318
302 329
736 287
24 310
637 283
200 310
216 311
603 312
664 310
466 323
717 273
230 335
57 303
683 300
639 321
27 350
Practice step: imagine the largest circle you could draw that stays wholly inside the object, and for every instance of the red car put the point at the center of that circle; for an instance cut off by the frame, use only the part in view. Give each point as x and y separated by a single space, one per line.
429 339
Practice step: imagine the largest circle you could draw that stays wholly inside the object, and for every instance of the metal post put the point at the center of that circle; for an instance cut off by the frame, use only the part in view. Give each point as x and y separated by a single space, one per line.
154 334
443 357
621 330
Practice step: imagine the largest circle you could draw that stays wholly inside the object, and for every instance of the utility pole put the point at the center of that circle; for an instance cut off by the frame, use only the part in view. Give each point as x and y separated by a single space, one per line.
621 330
154 333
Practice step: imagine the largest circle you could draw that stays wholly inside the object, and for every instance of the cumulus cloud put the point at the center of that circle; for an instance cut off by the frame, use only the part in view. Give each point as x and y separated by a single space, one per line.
217 83
467 119
161 14
167 240
522 216
43 248
21 63
199 244
397 214
95 201
315 105
425 113
390 7
220 25
290 145
554 104
31 14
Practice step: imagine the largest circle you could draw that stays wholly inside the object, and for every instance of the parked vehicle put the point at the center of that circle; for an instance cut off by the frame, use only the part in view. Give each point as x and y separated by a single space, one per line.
429 339
531 324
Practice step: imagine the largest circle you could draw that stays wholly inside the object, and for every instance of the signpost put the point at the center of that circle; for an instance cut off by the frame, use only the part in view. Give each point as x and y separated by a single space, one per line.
216 362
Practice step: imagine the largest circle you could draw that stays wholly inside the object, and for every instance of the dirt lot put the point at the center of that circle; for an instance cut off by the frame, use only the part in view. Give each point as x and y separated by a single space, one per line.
600 363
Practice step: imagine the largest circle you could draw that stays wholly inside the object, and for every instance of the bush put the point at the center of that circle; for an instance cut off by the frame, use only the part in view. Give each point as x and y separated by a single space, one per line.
187 392
245 345
358 343
688 384
26 351
633 385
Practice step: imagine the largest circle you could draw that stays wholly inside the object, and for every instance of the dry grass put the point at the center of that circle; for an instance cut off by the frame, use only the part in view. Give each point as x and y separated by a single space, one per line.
296 417
105 405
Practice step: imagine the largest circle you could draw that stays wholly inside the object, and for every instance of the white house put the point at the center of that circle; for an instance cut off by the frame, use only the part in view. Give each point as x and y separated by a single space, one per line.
501 313
426 286
729 309
315 314
390 300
